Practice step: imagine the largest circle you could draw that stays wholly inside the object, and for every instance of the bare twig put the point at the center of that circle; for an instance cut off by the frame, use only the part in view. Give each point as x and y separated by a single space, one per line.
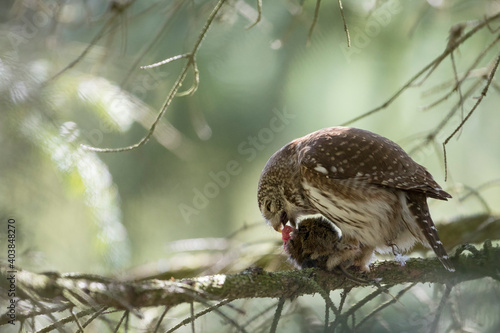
77 321
465 76
259 14
153 41
346 29
342 319
277 315
168 60
201 297
343 297
453 42
429 66
264 311
384 305
323 294
92 43
95 314
479 100
439 310
196 82
123 317
315 20
458 86
160 319
475 192
191 308
197 315
173 91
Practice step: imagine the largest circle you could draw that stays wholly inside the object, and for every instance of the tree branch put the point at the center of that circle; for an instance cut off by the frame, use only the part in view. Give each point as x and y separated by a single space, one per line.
97 291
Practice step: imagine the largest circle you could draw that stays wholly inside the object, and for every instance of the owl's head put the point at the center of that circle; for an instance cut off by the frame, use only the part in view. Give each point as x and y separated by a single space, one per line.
273 211
278 194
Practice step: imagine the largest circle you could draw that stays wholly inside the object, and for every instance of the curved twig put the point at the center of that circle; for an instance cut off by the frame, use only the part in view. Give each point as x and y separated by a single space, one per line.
173 91
479 100
429 66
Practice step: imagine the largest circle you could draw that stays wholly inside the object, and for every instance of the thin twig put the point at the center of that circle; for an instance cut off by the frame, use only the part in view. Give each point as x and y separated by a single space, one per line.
323 294
458 86
327 317
117 327
35 299
472 191
437 60
455 33
479 100
384 305
95 314
163 314
42 311
152 42
69 319
91 44
431 137
259 14
315 20
168 60
346 29
342 319
439 310
343 297
77 321
197 315
172 92
196 82
277 315
191 310
260 314
466 74
196 295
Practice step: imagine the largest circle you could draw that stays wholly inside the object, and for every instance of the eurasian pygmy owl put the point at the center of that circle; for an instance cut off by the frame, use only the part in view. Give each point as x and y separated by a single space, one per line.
364 183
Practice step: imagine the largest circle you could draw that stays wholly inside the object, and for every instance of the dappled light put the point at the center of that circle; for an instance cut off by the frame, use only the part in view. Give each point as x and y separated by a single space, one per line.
133 135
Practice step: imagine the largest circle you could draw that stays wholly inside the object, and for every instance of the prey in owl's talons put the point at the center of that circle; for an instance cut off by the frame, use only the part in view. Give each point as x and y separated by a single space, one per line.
316 243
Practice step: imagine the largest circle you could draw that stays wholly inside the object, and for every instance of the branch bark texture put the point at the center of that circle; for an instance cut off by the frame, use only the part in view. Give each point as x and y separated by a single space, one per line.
97 291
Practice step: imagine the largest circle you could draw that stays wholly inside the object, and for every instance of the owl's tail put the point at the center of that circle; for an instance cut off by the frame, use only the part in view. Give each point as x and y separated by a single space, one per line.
417 203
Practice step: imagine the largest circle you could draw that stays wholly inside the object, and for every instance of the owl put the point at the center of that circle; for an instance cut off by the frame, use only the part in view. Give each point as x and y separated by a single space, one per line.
316 243
365 184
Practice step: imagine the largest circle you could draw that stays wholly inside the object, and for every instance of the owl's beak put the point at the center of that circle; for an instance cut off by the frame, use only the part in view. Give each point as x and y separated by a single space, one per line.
283 221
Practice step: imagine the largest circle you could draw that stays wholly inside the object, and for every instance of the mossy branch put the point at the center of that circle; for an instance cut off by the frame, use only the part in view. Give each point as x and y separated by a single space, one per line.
96 291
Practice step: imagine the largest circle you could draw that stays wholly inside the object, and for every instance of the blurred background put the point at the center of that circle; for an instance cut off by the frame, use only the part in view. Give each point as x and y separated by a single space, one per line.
70 74
259 88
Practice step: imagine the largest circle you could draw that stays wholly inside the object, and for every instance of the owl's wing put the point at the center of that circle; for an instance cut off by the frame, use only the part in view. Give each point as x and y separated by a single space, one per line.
350 154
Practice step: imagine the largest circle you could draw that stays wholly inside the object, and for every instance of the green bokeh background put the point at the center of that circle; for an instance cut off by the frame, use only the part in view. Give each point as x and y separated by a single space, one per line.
106 213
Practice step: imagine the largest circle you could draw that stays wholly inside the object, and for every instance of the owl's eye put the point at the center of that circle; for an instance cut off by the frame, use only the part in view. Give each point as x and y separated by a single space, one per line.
268 206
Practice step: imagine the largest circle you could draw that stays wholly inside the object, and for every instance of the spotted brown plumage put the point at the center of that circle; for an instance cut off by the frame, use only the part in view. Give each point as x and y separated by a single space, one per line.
367 185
